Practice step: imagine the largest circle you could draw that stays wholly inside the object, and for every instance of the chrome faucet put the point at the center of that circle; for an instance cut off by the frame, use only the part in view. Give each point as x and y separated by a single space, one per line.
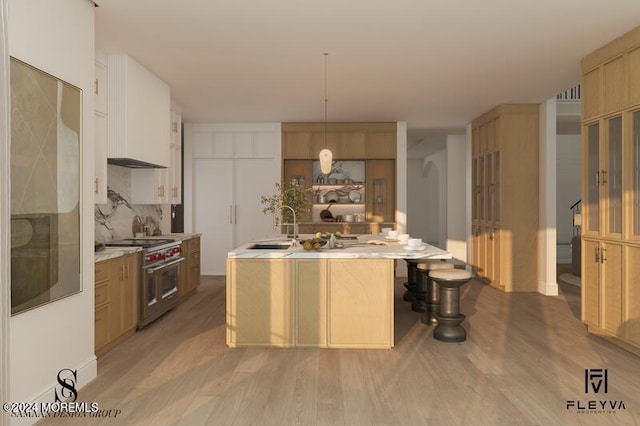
295 224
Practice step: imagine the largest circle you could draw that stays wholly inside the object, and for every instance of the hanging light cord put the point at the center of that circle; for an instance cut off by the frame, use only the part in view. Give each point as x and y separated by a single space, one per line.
325 99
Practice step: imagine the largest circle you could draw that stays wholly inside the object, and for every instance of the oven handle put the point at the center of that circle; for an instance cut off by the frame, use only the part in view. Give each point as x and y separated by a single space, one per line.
166 265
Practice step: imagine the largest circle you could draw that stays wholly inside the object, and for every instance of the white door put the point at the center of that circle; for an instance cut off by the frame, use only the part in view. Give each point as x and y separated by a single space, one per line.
213 211
254 178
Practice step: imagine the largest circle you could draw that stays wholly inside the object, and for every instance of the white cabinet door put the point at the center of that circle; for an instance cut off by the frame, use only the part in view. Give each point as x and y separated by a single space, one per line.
100 156
213 213
254 178
149 186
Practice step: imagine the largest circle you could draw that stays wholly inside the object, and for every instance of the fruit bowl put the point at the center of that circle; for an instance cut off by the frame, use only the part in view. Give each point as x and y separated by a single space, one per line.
313 244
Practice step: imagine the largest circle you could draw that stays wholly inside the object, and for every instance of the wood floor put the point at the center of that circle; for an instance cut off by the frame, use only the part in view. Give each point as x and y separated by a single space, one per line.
524 358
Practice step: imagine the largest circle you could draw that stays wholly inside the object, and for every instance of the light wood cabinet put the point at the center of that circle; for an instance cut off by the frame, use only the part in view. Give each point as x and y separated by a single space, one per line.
602 300
347 141
260 302
190 268
311 302
360 303
505 197
631 295
380 192
341 303
611 191
116 289
379 195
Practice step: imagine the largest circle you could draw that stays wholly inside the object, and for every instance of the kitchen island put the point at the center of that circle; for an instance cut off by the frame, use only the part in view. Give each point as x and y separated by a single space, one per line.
283 296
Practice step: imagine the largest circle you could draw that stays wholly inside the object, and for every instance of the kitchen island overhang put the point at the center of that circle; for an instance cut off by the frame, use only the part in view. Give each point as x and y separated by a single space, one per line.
330 298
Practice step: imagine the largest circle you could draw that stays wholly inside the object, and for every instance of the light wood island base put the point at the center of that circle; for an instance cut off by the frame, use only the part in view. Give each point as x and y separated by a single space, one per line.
320 303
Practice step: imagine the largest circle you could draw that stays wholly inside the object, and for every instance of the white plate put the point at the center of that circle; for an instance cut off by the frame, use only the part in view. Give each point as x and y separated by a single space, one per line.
354 196
422 247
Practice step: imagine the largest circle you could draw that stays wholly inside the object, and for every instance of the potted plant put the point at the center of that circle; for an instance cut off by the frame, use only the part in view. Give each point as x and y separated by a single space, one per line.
289 194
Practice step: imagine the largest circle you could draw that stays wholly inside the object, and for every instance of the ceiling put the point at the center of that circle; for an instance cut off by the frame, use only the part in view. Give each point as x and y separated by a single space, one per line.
434 64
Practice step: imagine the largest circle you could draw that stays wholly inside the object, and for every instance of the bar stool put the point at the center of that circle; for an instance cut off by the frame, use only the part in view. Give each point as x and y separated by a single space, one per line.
412 274
432 298
421 293
449 316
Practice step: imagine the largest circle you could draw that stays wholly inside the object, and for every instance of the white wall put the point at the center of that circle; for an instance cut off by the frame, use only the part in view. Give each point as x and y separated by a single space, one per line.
568 163
5 305
547 282
58 37
456 243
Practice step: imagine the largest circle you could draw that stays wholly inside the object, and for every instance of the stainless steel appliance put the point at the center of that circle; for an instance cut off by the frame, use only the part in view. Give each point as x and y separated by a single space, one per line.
160 276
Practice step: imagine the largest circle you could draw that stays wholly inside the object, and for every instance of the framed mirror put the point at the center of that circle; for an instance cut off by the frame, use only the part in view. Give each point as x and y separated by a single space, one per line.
46 129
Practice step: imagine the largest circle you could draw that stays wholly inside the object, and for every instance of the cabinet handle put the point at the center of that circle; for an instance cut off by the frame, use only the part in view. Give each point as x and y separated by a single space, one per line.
174 127
95 182
235 214
604 177
231 215
597 251
602 258
95 90
597 178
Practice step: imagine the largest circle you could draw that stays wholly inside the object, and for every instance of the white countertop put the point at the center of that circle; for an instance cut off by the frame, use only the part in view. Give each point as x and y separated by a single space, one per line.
111 252
353 249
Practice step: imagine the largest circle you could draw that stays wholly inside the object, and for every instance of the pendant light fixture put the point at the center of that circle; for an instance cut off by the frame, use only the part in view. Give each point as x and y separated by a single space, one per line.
326 156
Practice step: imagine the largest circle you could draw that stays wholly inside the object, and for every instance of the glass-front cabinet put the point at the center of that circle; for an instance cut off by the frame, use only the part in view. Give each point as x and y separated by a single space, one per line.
634 185
592 178
611 178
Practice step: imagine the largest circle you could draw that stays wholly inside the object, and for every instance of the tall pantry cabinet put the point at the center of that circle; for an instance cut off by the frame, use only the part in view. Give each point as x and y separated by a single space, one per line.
231 167
611 191
505 197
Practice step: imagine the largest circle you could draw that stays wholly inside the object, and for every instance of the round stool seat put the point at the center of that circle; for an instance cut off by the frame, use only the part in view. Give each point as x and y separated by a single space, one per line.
450 274
433 266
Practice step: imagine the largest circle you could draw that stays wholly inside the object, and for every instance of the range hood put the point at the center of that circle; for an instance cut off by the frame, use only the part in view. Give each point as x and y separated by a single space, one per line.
133 163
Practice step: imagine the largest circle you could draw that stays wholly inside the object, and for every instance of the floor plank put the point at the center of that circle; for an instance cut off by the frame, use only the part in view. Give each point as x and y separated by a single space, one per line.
525 356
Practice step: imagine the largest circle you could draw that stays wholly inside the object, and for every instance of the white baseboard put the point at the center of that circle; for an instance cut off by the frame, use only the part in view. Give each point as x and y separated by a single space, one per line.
548 289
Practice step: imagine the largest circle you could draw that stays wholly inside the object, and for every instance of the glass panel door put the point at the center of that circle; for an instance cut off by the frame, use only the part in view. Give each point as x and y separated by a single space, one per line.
593 177
474 185
496 185
635 193
613 176
481 189
490 193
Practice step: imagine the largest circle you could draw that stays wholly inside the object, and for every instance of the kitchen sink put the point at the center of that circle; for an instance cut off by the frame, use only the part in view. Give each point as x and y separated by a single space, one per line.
270 246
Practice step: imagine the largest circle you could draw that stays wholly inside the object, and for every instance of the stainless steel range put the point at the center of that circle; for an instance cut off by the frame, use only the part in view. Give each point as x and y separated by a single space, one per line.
160 275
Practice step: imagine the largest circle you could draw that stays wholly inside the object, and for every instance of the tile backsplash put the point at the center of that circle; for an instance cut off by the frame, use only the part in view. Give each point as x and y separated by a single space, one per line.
114 219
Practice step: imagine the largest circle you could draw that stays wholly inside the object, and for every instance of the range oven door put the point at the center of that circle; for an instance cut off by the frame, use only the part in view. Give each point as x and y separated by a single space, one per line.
159 291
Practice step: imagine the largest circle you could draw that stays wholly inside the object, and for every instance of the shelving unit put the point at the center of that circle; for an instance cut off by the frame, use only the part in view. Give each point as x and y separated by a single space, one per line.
364 153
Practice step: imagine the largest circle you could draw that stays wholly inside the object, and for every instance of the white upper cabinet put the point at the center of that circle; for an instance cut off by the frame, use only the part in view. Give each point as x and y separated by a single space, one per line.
100 126
162 186
100 83
138 105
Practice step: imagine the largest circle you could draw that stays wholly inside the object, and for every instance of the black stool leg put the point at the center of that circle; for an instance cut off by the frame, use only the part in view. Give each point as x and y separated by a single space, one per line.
410 285
449 316
433 303
419 304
